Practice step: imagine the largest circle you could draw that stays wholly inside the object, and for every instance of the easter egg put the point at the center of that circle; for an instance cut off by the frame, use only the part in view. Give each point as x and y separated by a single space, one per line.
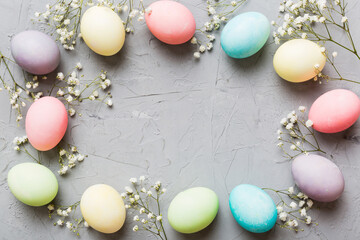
253 208
35 52
299 60
46 123
318 177
103 208
193 209
170 22
335 111
102 30
32 184
245 34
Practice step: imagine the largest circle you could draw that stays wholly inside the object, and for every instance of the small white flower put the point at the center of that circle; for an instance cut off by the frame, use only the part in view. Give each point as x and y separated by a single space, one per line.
51 207
293 205
135 228
322 49
304 36
109 102
142 210
309 203
283 216
67 21
334 54
60 222
159 218
301 203
196 55
303 212
344 19
279 209
79 66
133 180
308 220
149 193
150 215
86 224
289 126
129 190
62 152
193 40
302 108
71 112
294 223
142 178
136 218
202 48
309 123
293 147
69 225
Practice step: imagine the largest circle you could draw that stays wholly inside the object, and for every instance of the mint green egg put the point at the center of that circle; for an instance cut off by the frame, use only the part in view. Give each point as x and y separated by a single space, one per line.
32 184
193 210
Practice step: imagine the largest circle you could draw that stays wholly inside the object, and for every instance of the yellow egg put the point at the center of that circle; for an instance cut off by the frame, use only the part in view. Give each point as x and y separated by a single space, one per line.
103 208
299 60
102 30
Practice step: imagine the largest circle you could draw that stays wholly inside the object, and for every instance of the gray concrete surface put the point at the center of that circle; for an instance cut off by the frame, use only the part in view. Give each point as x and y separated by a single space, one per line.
211 123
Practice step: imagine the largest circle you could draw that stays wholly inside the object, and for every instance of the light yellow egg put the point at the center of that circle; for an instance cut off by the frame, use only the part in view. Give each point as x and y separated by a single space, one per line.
299 60
103 208
102 30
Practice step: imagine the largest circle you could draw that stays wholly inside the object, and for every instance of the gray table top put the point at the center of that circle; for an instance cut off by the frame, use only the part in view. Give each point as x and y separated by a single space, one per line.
208 123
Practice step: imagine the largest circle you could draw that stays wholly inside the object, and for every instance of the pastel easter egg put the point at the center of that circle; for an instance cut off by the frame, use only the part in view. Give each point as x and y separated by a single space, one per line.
245 34
103 208
193 209
35 52
335 111
46 123
299 60
32 184
253 208
102 30
170 22
318 177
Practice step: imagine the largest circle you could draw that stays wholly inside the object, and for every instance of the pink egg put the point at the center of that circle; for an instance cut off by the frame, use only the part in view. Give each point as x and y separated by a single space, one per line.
335 111
46 123
170 22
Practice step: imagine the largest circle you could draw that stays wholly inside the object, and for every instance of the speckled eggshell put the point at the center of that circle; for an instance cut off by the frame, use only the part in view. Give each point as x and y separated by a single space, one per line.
245 34
193 210
32 184
335 111
35 52
102 30
103 208
253 208
46 123
295 60
170 22
318 177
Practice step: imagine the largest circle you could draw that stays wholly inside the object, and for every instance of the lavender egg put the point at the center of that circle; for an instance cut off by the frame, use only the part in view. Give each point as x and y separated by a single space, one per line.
318 177
35 52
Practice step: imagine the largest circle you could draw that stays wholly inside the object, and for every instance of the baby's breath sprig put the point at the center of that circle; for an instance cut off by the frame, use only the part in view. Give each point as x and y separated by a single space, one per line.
142 198
297 135
63 17
20 146
66 217
75 90
291 213
68 158
219 12
19 94
318 21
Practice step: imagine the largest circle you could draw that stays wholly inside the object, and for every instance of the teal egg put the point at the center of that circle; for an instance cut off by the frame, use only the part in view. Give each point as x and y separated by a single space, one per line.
253 208
245 34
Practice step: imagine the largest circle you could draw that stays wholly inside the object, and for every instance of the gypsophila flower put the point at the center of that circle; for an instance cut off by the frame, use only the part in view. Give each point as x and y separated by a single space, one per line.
135 228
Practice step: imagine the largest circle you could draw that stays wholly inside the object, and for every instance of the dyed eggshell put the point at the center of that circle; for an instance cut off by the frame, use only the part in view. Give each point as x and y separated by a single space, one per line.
103 208
46 123
253 208
35 52
102 30
193 210
335 111
318 177
32 184
170 22
245 35
296 59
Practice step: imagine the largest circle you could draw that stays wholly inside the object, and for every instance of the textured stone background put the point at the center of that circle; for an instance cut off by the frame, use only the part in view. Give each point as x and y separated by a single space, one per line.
207 123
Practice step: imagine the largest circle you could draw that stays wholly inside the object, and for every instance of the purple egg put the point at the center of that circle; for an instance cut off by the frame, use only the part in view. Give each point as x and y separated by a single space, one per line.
318 177
35 52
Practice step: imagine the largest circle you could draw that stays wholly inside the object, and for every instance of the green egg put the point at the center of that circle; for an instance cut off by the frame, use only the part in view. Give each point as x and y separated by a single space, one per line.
32 184
193 210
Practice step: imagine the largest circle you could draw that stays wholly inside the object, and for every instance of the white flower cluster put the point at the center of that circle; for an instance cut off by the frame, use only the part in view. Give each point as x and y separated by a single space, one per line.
69 158
63 212
19 141
218 12
141 198
293 135
290 214
73 91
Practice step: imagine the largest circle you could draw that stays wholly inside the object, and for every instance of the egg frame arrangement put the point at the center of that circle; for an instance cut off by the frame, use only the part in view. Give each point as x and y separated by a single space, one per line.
250 206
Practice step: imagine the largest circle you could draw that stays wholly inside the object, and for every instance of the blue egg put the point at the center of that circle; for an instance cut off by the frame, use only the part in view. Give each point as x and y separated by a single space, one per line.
253 208
245 34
